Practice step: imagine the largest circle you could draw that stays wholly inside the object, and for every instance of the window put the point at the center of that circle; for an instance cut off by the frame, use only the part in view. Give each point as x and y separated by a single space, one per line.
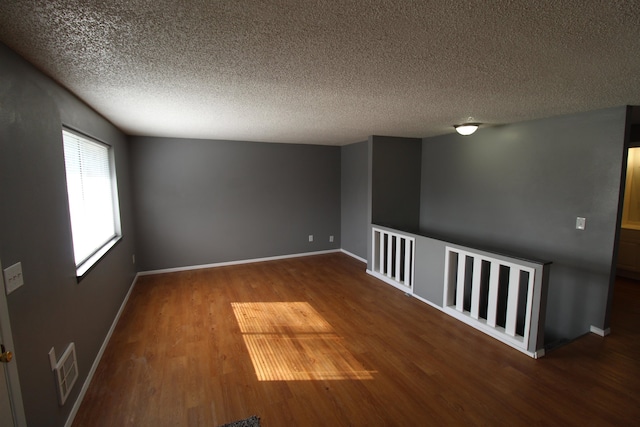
93 200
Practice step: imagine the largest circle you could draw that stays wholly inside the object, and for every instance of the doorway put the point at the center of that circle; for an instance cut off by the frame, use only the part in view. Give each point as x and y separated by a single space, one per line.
11 408
628 261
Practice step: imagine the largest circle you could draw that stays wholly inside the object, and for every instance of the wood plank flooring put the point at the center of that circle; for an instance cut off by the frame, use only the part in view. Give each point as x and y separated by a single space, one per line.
315 341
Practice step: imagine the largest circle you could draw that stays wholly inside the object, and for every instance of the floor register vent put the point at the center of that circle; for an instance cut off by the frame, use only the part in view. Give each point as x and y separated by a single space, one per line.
66 371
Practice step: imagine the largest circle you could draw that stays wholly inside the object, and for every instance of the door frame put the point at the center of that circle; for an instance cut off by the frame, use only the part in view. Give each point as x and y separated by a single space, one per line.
631 140
11 369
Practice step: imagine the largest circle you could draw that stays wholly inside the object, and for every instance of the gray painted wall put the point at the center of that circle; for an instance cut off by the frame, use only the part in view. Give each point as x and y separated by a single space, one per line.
429 269
354 198
515 188
519 188
201 201
52 309
396 182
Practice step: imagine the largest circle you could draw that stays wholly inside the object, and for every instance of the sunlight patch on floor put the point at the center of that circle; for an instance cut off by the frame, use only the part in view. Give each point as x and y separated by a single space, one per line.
290 341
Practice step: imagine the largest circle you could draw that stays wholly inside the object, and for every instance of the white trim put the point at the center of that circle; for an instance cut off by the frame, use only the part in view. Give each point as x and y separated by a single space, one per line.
378 251
395 285
92 371
536 354
426 301
454 281
352 255
495 332
13 377
96 362
600 332
66 374
224 264
88 263
391 282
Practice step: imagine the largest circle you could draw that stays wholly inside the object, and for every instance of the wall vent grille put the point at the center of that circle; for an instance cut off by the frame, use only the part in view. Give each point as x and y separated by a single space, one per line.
66 370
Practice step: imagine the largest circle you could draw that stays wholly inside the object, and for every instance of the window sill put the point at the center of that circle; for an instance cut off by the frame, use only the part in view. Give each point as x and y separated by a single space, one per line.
85 267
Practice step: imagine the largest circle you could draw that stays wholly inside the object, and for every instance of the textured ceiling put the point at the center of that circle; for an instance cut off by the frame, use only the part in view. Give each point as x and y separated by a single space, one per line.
330 72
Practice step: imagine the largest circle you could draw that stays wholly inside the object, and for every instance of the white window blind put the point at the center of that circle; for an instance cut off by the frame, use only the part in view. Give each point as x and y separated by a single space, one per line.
92 199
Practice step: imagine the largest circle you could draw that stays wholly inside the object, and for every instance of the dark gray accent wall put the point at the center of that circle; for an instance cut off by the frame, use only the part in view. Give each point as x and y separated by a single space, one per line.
395 181
354 198
519 189
52 309
202 201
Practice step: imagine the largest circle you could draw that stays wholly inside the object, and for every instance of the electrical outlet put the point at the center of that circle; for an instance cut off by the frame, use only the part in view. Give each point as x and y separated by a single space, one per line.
311 237
133 258
581 223
13 277
330 239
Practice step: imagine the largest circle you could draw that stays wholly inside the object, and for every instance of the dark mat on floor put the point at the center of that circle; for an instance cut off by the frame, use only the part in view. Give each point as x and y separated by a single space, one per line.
249 422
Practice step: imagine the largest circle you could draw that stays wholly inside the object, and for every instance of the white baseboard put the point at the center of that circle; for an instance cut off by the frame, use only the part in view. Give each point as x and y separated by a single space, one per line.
96 362
418 297
405 289
535 355
224 264
352 255
538 354
601 332
426 301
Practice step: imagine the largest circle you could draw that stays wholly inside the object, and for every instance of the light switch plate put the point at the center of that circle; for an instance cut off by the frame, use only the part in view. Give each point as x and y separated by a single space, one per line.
13 277
581 223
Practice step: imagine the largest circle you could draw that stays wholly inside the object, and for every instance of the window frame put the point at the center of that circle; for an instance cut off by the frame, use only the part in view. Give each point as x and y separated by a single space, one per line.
84 266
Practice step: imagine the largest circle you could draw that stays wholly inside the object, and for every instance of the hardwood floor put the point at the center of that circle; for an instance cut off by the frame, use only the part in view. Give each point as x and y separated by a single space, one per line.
315 341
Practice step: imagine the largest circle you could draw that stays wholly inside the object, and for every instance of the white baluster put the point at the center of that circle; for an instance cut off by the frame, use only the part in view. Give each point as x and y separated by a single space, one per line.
475 287
382 252
397 263
389 252
512 301
408 256
460 282
492 305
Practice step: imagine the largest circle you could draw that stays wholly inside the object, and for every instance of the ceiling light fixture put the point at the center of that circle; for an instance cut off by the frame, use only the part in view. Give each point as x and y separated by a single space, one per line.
467 128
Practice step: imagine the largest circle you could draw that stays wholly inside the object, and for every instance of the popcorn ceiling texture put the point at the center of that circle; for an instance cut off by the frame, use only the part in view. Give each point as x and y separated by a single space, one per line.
330 72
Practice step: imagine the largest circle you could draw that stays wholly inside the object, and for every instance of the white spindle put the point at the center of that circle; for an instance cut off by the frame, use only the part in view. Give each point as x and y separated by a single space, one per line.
408 257
393 261
460 282
512 302
519 304
375 243
475 287
492 305
389 259
397 263
381 257
528 317
389 254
